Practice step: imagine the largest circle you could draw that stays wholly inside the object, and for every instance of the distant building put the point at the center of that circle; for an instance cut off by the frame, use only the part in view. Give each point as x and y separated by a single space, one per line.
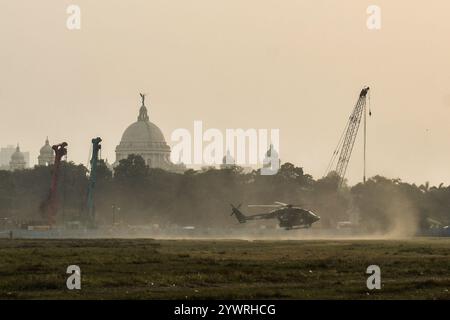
271 155
46 154
228 161
109 165
271 162
17 160
5 157
144 138
26 156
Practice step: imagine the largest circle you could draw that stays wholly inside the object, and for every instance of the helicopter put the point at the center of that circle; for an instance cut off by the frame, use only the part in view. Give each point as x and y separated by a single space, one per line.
289 216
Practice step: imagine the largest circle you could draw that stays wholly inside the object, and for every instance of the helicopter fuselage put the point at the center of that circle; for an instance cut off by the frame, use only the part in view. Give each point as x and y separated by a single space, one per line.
295 218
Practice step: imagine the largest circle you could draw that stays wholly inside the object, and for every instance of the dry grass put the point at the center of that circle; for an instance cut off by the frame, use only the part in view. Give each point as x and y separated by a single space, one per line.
188 269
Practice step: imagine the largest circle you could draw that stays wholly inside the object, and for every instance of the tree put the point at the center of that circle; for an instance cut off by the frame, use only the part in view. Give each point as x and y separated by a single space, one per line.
131 169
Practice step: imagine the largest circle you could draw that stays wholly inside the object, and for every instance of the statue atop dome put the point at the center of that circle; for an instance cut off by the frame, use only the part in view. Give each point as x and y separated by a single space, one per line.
143 98
143 115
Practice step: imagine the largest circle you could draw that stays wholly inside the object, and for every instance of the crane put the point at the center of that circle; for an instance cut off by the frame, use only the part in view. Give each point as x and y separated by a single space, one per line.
96 146
345 145
50 205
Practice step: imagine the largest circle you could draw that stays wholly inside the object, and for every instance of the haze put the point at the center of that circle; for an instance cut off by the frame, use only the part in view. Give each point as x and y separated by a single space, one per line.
293 65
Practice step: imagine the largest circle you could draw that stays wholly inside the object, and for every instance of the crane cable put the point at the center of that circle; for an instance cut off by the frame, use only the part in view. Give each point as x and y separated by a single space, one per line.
62 169
365 137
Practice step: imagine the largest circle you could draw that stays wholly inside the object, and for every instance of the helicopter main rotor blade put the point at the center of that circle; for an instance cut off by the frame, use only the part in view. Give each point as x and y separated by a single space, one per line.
263 206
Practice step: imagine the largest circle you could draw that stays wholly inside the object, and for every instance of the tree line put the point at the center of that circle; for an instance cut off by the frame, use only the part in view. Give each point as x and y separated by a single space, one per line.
137 194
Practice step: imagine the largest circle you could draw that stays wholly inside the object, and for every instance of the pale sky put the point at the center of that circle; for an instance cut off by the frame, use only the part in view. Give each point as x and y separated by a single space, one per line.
294 65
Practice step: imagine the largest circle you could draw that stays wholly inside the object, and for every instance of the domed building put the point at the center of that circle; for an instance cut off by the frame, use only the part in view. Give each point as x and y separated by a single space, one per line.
46 155
144 138
17 160
271 155
228 161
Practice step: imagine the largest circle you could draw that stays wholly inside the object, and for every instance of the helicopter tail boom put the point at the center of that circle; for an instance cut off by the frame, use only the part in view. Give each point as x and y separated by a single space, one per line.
239 215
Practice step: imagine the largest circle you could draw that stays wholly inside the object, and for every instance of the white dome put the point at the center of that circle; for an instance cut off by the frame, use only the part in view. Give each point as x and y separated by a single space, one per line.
143 131
17 156
144 138
46 149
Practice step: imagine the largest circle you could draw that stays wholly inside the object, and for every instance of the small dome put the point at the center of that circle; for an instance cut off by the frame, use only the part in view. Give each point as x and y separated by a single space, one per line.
46 149
270 151
228 159
17 156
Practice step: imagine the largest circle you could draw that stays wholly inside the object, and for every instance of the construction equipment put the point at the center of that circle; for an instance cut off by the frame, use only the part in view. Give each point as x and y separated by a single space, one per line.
348 137
50 206
96 146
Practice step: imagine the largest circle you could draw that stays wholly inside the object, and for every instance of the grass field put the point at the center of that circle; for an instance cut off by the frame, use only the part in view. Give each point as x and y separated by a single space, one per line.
225 269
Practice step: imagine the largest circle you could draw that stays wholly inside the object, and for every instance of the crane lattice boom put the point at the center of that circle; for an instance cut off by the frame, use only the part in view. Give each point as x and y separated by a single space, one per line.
347 141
